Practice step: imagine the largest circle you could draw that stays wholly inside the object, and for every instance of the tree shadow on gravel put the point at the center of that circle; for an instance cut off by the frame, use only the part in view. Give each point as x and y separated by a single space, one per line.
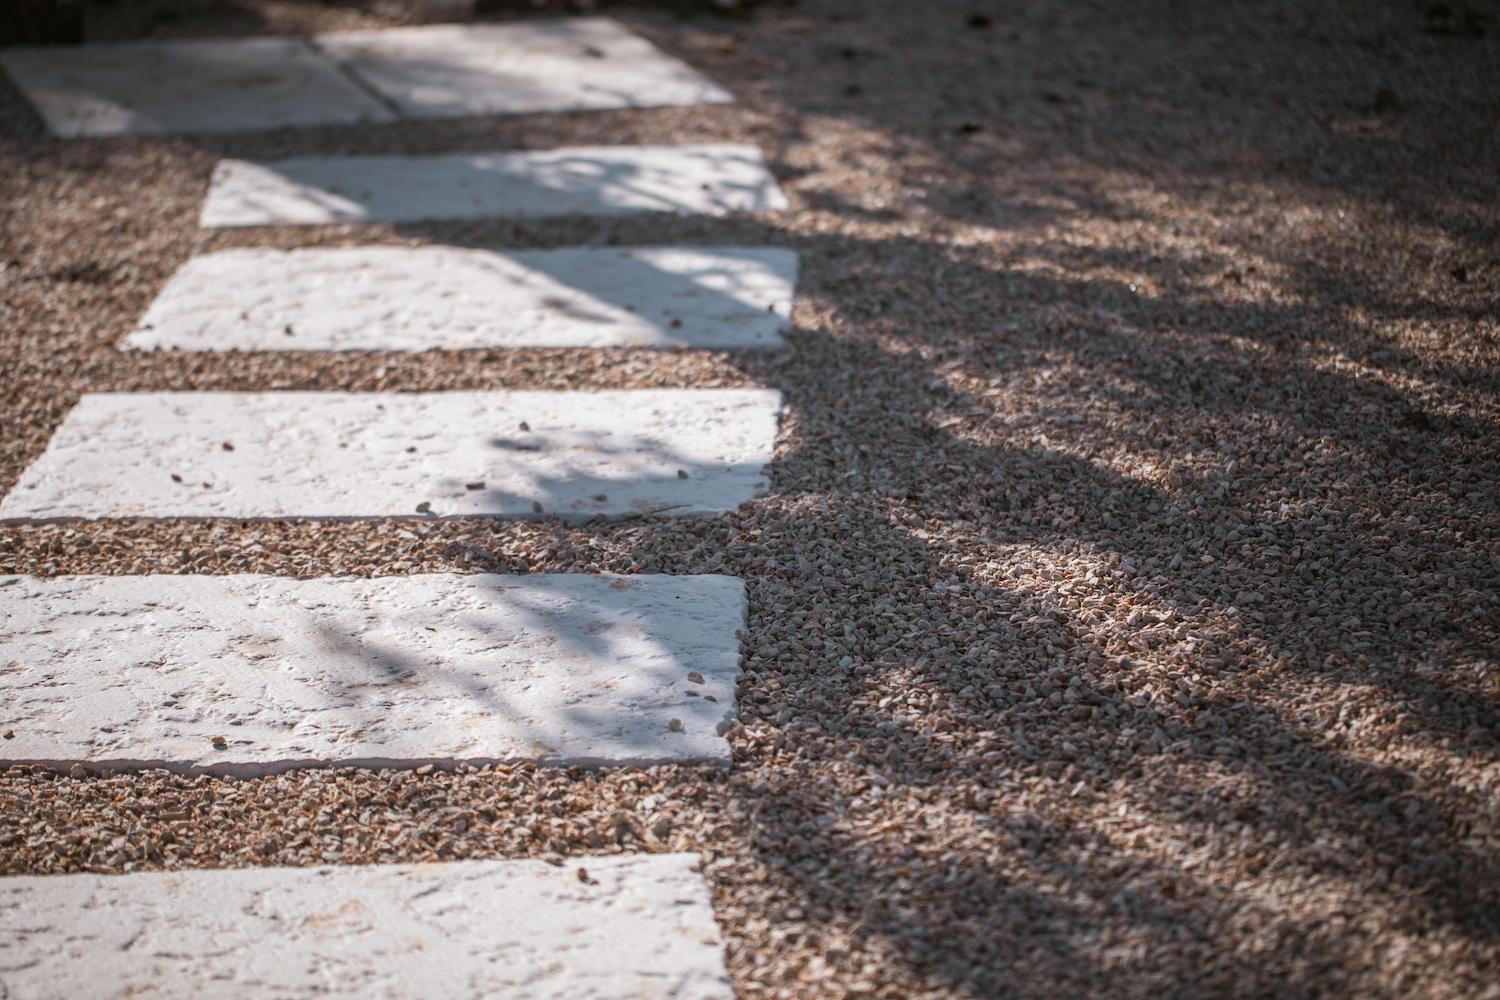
979 584
970 590
1055 703
1278 507
1122 618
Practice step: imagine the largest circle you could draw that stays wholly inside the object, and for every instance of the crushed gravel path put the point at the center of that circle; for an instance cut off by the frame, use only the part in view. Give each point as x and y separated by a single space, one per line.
1125 615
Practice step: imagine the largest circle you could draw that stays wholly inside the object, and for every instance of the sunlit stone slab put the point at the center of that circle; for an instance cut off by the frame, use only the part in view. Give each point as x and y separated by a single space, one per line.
709 179
416 298
249 674
344 455
631 926
554 65
154 88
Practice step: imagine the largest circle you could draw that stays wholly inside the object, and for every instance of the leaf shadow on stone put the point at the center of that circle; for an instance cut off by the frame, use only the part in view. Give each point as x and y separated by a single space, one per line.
582 636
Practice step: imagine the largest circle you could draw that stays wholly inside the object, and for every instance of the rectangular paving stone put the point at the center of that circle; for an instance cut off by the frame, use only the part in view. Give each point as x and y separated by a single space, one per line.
254 674
416 298
640 926
155 88
554 65
707 179
380 454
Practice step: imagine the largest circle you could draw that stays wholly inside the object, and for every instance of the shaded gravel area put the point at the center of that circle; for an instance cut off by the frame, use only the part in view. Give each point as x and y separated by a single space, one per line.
1125 619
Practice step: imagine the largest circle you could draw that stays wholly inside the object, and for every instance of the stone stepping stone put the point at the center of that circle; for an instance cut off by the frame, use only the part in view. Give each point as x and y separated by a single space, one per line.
706 179
606 928
517 453
247 674
161 88
417 298
539 66
233 85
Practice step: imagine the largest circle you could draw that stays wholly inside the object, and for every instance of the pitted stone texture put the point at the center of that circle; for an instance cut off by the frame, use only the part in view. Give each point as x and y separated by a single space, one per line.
156 88
254 674
709 179
344 455
640 927
559 65
416 298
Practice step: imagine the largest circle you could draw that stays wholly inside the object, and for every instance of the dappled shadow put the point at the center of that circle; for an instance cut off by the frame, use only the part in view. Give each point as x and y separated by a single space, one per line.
439 297
992 571
192 86
1122 616
165 88
246 677
604 180
561 65
553 669
346 456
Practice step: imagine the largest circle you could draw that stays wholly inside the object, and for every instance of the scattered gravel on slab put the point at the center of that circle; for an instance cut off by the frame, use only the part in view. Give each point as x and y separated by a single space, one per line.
690 179
612 928
1123 620
459 298
573 454
253 674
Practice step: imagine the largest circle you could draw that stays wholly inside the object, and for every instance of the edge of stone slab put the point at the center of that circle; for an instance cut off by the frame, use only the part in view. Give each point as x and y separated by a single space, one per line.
570 219
780 344
575 518
622 859
262 769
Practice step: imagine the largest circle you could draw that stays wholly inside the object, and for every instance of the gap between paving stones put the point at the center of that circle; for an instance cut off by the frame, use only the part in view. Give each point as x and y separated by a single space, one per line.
436 370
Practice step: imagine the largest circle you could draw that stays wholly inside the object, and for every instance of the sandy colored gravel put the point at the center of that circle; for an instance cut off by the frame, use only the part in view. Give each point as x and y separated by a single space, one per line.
1125 617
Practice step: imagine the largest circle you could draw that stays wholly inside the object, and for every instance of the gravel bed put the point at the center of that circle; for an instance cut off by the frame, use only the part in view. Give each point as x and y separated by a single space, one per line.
1125 617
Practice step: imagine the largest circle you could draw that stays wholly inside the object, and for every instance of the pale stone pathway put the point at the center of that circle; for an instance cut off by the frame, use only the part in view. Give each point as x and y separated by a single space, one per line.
233 85
519 453
155 88
541 66
255 674
418 298
698 179
604 928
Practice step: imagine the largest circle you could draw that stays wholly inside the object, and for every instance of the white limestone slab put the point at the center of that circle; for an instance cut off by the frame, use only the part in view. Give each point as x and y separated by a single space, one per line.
380 454
573 64
640 926
708 179
417 298
254 674
155 88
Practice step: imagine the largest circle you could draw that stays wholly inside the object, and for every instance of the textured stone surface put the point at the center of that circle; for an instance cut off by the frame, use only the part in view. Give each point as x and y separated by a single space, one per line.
335 454
709 179
247 674
554 65
415 298
153 88
227 85
632 926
